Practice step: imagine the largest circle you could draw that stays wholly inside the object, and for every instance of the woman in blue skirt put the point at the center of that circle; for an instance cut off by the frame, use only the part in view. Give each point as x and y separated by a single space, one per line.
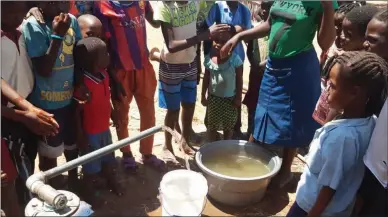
291 84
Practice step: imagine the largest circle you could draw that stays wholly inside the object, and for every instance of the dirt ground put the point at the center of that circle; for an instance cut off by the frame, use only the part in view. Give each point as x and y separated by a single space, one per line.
141 196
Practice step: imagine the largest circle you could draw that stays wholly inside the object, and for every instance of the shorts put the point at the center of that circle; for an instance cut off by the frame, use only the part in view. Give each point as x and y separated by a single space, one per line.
288 95
374 196
53 146
98 141
221 115
177 84
296 211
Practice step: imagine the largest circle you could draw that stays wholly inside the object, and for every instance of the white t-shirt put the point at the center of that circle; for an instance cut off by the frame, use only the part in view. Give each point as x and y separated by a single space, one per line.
183 19
376 157
16 68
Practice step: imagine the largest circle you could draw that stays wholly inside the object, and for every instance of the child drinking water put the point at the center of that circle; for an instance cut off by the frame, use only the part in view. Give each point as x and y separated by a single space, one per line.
222 88
335 168
92 119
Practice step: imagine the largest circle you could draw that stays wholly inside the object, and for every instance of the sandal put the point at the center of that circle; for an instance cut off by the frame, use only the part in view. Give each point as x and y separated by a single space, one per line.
130 164
153 161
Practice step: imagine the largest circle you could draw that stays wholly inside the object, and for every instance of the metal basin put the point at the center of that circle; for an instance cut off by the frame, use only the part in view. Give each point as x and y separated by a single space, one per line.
235 191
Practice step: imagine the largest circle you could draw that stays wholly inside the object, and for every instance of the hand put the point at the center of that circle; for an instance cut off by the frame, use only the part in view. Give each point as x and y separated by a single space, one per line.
118 92
237 102
217 29
37 13
4 179
204 101
227 49
81 94
40 122
61 24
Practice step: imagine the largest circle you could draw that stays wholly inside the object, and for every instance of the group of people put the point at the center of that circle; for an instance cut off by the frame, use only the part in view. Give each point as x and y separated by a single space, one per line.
69 67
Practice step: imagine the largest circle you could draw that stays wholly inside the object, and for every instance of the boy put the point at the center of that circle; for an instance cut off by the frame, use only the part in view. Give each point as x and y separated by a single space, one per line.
354 27
178 67
127 42
90 26
238 15
50 47
93 124
374 189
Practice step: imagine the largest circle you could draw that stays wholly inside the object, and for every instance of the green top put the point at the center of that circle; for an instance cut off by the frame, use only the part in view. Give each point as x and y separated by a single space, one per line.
293 26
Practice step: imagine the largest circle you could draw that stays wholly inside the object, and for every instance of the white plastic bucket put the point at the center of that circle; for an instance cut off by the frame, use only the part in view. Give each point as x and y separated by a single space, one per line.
183 193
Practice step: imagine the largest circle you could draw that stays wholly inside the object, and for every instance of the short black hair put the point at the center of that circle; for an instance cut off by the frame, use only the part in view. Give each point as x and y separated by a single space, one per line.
382 16
369 70
86 52
361 16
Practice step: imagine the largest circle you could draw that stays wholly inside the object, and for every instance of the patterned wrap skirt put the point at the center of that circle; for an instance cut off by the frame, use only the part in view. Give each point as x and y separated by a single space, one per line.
221 115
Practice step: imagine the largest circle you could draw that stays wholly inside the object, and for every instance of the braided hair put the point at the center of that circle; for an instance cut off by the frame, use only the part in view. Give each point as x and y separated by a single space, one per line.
382 16
347 7
370 71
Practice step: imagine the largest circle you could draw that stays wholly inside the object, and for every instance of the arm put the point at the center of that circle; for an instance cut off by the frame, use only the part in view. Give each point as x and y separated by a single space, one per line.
14 97
150 15
205 87
13 114
44 64
326 34
258 31
324 197
239 85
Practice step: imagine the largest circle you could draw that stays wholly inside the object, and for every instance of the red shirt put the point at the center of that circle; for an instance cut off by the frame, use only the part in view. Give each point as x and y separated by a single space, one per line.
322 109
97 110
7 165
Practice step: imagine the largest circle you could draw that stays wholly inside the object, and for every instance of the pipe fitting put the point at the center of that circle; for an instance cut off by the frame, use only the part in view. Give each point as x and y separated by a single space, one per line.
36 184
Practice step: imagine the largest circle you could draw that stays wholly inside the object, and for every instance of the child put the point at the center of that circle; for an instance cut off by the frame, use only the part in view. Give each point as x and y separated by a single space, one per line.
377 35
90 26
222 89
91 57
238 15
373 190
334 170
352 39
50 47
257 52
178 69
127 43
354 27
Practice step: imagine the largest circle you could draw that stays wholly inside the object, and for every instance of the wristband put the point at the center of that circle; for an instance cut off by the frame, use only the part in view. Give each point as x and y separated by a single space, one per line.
57 37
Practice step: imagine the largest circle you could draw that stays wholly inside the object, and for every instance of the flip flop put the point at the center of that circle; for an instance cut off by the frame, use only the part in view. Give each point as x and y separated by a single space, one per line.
154 162
130 164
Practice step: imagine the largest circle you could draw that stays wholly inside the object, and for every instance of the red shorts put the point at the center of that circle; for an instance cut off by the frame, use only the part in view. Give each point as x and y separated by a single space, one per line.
7 165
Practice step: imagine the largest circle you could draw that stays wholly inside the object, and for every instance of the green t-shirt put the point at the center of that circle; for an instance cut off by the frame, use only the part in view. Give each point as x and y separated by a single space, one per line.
293 26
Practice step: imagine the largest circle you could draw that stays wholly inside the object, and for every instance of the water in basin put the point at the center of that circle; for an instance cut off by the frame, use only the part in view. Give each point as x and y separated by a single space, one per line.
236 165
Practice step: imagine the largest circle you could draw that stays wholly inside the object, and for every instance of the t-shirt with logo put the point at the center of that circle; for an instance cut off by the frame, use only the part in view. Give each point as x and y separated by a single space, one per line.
56 91
183 18
293 26
124 24
202 15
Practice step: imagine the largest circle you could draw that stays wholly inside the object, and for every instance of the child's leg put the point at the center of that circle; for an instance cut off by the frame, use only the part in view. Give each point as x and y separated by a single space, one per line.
228 134
211 135
172 117
187 119
237 126
71 151
177 127
9 200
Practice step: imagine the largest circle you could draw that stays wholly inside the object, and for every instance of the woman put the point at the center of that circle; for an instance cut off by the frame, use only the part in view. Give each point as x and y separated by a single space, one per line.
290 87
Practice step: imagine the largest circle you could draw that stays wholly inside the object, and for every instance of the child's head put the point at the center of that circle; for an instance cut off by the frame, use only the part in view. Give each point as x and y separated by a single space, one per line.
90 26
377 35
51 9
12 14
358 80
339 16
265 7
91 55
354 27
221 38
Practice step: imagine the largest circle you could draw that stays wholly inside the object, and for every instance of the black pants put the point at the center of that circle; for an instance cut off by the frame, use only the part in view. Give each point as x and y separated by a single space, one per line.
374 196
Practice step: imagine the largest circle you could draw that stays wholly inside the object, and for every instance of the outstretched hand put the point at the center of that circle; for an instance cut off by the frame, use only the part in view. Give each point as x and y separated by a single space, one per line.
41 122
215 30
227 49
61 24
37 13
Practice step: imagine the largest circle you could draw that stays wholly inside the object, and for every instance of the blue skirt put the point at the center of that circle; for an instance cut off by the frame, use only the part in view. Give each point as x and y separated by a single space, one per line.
288 95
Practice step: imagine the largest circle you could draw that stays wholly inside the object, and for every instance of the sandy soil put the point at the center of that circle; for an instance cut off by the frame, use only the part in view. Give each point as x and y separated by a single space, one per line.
141 196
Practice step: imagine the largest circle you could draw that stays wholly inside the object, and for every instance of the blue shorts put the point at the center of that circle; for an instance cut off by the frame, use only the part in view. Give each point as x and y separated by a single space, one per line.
288 95
53 146
97 141
177 84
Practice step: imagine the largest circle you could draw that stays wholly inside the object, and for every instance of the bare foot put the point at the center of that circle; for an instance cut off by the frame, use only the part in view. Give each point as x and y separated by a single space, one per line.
282 179
184 147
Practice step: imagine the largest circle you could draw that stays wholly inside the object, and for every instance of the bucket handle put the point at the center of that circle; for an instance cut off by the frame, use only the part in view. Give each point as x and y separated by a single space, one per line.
203 206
